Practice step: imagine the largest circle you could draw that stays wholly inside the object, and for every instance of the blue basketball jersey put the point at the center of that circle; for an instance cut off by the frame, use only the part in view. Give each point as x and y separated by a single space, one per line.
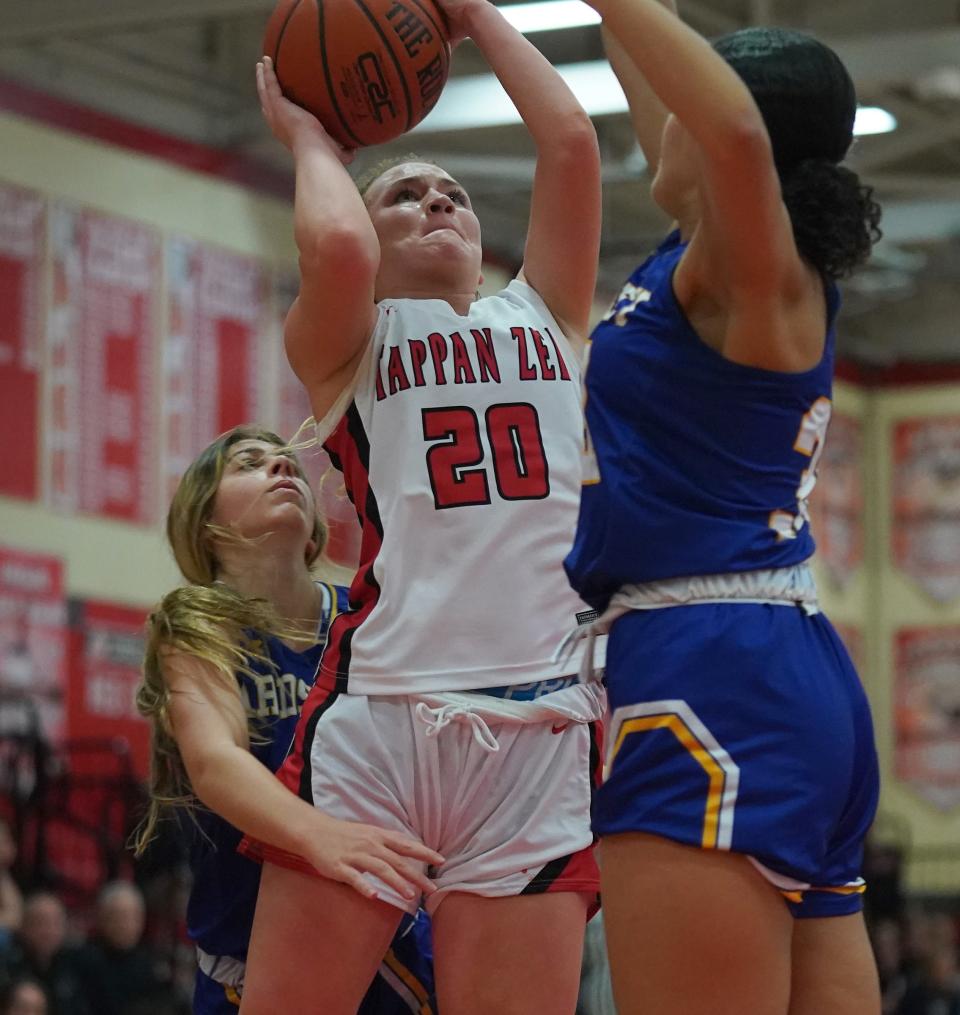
695 464
224 893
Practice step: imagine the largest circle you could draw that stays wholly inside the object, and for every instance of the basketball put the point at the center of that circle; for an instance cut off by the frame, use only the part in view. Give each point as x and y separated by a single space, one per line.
369 70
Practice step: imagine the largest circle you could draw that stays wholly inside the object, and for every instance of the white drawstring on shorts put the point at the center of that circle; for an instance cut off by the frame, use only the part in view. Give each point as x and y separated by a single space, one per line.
437 718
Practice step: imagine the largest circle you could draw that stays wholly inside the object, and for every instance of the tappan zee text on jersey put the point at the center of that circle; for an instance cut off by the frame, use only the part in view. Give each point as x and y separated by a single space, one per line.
468 357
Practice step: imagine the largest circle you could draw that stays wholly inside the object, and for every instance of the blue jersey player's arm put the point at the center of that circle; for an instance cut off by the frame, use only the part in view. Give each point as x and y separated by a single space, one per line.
209 723
647 113
742 268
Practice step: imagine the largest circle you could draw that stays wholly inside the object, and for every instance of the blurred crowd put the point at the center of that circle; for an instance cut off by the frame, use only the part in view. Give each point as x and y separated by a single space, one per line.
127 953
916 943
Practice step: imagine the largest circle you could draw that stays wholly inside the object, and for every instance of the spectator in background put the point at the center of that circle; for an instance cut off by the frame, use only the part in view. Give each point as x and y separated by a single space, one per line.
11 901
118 973
40 952
24 997
883 872
886 938
936 991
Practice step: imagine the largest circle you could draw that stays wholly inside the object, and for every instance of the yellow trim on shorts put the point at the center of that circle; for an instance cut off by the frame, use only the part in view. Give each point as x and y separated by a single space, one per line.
798 895
410 981
675 724
231 995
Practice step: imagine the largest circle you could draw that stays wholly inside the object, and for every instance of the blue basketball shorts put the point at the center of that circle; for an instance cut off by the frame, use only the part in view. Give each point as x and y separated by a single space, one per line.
403 984
743 727
212 998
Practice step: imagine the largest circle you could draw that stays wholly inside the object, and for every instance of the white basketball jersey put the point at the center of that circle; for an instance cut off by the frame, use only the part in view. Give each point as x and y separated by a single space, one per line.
460 443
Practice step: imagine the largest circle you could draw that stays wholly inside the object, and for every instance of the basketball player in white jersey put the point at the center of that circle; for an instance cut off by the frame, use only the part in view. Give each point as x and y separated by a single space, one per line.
455 420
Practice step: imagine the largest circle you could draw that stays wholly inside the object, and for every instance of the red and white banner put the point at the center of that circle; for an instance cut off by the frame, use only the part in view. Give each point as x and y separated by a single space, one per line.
927 710
102 330
22 245
218 311
107 643
343 544
926 503
33 643
836 507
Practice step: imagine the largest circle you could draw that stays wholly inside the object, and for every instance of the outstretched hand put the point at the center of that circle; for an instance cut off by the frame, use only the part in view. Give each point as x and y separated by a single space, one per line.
346 850
286 119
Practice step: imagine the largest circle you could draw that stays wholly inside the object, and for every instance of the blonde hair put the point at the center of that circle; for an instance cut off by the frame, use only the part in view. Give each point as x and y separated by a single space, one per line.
205 618
368 178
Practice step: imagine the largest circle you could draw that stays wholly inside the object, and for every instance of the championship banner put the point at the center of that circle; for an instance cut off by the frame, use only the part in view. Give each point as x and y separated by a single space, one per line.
107 643
22 242
343 544
836 506
926 503
218 310
33 644
927 711
102 331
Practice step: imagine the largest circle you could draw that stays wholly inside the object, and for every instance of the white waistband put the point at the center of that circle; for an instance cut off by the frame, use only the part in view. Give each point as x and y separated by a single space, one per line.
222 968
790 586
777 586
579 703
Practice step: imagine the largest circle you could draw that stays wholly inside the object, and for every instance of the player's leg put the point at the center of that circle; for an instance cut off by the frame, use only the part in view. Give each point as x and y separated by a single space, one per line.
822 984
512 955
693 931
834 971
315 947
520 877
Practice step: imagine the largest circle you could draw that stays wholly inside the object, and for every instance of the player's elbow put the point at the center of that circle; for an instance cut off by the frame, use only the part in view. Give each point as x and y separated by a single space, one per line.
341 257
573 137
207 771
740 139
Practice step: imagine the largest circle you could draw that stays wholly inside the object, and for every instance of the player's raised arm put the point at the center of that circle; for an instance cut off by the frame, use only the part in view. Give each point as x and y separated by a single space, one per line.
563 238
329 323
738 178
647 113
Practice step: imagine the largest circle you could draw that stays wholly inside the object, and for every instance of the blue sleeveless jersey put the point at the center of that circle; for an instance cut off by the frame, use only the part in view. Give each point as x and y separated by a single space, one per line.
702 465
224 894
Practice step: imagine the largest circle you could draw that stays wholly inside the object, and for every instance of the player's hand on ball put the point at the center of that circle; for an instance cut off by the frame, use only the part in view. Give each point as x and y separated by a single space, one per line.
286 119
457 13
346 850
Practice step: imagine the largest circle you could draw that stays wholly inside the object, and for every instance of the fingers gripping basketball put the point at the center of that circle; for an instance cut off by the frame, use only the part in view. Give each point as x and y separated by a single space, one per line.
369 70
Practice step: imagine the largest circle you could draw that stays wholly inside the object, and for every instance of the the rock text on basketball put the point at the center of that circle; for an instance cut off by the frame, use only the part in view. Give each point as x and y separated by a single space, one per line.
411 29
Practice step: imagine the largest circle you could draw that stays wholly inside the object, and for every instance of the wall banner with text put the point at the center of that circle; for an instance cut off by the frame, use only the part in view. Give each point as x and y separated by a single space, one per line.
218 309
102 332
926 503
22 247
927 713
33 644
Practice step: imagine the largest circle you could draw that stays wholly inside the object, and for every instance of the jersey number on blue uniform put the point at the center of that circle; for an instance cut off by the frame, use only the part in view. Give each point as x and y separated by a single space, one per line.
458 476
810 442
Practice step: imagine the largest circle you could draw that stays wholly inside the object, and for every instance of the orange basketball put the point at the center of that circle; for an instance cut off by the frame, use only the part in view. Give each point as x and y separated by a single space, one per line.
369 70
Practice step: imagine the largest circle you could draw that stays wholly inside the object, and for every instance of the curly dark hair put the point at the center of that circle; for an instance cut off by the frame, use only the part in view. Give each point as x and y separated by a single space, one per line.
834 216
808 103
